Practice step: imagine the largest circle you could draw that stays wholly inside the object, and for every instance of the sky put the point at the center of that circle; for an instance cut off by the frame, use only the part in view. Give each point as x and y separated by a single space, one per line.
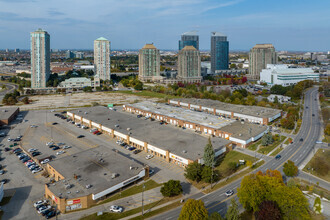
292 25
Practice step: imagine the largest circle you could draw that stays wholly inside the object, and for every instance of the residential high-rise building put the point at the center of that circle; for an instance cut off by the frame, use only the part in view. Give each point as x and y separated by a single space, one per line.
189 39
69 54
40 58
219 52
149 63
17 50
102 58
189 65
261 55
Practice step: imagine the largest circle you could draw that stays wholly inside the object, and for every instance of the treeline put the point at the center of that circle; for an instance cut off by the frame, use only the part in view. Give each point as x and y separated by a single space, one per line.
11 98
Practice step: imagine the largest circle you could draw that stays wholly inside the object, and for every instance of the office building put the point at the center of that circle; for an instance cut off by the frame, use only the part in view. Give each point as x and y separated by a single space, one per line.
149 63
79 55
281 74
40 58
17 50
76 82
189 65
69 54
219 52
261 55
102 58
189 39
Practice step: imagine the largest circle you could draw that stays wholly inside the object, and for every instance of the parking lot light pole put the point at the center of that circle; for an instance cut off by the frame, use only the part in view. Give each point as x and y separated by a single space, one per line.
142 198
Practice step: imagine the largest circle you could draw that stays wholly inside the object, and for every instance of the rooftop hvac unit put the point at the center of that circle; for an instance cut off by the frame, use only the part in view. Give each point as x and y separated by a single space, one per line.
184 151
68 186
117 126
128 129
88 186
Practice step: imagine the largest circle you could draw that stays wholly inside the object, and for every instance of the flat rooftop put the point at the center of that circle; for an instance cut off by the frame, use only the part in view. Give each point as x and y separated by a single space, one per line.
188 115
256 111
93 167
181 142
7 112
244 131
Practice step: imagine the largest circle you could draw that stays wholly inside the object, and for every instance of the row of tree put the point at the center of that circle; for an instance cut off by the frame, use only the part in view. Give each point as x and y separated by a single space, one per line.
11 98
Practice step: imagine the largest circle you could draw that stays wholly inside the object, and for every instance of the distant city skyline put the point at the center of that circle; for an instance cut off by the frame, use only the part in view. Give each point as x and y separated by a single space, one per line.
130 24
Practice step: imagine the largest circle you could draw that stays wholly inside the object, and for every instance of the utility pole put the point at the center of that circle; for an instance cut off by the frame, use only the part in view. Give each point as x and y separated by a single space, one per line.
142 198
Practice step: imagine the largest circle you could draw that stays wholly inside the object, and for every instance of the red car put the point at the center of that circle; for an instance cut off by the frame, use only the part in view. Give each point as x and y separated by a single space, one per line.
95 132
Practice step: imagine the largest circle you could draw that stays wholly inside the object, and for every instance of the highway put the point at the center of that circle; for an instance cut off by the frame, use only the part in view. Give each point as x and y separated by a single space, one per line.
302 146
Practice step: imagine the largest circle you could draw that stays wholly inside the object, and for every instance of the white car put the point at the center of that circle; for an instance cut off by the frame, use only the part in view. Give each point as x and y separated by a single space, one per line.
33 126
45 161
149 156
44 208
115 208
39 203
229 193
37 170
10 139
60 144
66 147
49 143
32 150
30 163
60 152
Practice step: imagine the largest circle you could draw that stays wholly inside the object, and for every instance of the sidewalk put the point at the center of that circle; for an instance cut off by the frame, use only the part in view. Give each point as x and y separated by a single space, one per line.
130 202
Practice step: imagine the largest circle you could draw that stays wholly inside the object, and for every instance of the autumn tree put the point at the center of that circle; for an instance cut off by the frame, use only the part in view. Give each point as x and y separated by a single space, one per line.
290 169
193 210
215 216
268 210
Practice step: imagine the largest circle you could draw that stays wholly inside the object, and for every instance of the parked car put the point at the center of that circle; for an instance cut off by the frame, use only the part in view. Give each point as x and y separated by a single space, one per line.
50 214
136 151
54 123
80 136
33 126
95 132
229 193
7 149
4 181
60 152
37 170
149 156
45 161
34 154
32 150
43 208
151 172
115 208
40 202
56 148
2 172
49 143
66 147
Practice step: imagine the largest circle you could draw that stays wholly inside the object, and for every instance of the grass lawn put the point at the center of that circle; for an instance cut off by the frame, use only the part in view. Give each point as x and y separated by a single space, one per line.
321 157
277 151
232 179
232 156
147 94
254 145
269 148
112 216
150 184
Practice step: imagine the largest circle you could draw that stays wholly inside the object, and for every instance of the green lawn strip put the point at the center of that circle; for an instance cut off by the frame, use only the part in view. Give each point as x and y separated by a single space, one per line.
232 179
298 126
287 141
276 151
319 154
254 145
304 185
150 184
158 211
269 148
113 216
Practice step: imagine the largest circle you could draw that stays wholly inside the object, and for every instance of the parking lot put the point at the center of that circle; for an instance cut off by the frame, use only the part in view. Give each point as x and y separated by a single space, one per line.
27 187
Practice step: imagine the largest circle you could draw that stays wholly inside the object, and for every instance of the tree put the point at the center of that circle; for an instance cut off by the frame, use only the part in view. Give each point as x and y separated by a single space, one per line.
215 216
290 169
317 205
232 213
193 210
139 86
25 100
207 174
267 139
209 154
171 188
194 171
276 100
268 210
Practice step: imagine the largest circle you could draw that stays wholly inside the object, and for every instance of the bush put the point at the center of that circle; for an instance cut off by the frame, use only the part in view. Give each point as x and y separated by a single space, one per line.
290 169
171 188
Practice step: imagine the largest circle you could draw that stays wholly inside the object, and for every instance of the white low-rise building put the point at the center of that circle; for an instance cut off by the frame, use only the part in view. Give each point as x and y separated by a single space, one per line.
76 82
280 98
281 74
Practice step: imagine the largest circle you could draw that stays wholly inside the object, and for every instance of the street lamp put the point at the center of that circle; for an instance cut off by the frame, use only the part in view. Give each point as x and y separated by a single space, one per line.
143 187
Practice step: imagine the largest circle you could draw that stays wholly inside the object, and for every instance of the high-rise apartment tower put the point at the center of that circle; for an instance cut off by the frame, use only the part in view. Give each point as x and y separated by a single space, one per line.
149 63
189 39
102 58
189 65
219 52
261 55
40 58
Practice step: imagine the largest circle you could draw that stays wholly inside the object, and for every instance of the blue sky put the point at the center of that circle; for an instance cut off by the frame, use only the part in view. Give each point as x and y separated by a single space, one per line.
302 25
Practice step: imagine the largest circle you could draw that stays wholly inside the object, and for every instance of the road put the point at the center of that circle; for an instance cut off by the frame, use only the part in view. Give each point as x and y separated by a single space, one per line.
10 88
302 146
